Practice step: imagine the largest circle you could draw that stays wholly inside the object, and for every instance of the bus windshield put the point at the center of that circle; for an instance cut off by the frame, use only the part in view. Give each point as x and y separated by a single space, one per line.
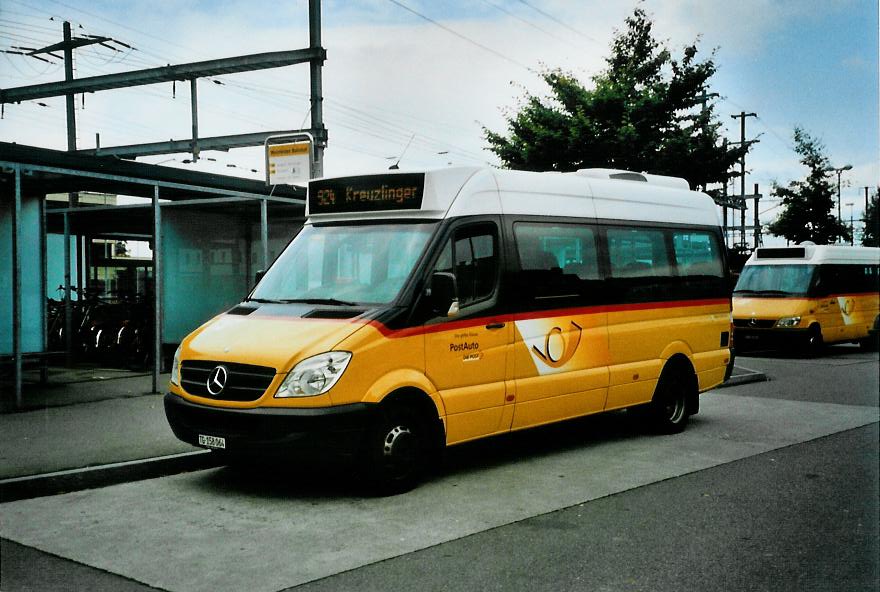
775 280
345 265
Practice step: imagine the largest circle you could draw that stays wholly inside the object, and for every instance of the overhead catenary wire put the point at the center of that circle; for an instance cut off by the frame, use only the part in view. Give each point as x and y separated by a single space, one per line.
461 36
352 124
558 21
527 22
361 121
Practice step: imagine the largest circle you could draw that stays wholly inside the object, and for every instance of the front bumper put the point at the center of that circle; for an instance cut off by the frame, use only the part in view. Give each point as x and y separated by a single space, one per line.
747 339
263 432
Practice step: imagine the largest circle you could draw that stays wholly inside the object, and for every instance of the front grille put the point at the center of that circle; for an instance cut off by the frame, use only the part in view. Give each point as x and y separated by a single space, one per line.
754 323
244 382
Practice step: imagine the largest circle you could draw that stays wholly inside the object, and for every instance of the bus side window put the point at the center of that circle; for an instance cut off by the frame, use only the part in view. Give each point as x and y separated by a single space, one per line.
640 264
696 253
557 260
472 255
637 252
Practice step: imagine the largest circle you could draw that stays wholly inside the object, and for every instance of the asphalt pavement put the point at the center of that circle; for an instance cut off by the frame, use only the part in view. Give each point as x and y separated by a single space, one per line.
92 427
773 486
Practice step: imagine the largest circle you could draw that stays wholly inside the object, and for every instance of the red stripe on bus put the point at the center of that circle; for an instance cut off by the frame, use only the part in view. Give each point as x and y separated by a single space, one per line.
527 316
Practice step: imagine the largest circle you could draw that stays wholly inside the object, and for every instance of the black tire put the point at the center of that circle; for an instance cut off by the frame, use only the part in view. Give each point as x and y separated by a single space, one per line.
814 345
224 458
395 451
668 410
869 344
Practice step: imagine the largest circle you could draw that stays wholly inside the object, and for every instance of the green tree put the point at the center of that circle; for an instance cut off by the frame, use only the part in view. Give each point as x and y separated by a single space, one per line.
871 220
645 112
808 204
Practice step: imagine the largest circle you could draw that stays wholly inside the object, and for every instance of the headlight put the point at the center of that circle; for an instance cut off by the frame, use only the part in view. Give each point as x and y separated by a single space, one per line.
788 322
315 375
175 368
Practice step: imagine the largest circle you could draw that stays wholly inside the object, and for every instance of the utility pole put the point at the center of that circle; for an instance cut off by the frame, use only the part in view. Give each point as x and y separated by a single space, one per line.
839 171
68 76
742 169
703 99
317 99
852 228
757 229
68 44
725 199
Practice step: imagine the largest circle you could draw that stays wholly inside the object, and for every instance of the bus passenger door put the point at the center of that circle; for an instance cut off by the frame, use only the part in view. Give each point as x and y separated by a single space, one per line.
467 354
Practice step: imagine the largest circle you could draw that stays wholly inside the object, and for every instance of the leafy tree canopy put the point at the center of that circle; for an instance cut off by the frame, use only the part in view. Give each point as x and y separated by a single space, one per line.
808 204
647 111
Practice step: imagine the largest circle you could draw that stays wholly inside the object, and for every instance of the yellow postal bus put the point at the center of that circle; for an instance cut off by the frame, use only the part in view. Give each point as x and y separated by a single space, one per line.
415 311
806 296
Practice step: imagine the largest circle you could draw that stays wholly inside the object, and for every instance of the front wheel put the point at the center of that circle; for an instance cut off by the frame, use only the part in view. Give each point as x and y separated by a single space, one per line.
815 344
394 457
668 409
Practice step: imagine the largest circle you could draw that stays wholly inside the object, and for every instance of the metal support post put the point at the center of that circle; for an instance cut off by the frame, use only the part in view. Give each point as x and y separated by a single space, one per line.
195 118
68 308
157 289
16 287
264 233
742 170
317 98
68 77
757 220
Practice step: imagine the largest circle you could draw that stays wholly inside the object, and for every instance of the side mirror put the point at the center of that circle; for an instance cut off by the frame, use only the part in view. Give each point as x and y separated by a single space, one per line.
258 276
444 293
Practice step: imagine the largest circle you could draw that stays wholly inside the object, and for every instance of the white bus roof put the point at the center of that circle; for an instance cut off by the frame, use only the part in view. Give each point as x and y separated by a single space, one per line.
813 255
465 191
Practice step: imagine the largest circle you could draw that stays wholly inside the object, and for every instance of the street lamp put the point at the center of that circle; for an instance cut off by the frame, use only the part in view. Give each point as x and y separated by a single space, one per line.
839 171
852 229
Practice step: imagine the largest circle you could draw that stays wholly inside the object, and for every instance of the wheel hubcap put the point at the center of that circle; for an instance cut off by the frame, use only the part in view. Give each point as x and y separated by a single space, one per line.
396 441
675 409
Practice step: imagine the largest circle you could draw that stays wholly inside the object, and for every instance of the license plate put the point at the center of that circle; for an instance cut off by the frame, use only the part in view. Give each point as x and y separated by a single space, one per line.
212 441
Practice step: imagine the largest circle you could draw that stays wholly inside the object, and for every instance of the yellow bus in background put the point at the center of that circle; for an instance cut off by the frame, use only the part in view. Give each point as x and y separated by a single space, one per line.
807 296
416 311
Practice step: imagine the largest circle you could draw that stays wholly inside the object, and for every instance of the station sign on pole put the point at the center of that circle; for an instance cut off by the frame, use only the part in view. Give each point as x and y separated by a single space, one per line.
289 159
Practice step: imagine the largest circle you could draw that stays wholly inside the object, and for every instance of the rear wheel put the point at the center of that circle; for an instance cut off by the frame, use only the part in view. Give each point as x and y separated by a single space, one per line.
668 409
394 458
870 343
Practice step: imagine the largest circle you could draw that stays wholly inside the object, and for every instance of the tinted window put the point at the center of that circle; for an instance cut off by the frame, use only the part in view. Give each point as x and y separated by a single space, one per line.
844 279
472 255
569 247
558 262
637 252
696 254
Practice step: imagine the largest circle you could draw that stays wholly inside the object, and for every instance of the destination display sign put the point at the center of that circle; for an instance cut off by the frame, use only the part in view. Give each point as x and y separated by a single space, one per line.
372 193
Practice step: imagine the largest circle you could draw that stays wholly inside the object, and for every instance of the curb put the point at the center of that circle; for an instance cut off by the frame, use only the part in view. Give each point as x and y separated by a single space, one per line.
30 486
749 377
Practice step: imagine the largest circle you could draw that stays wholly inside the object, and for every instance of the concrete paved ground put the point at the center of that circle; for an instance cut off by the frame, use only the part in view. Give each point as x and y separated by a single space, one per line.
90 417
222 530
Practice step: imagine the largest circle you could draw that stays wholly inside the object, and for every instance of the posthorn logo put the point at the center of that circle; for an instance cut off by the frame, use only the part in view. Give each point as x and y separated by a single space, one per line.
217 380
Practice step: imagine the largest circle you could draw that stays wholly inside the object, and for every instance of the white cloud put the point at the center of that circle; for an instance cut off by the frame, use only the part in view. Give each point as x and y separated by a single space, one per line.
390 74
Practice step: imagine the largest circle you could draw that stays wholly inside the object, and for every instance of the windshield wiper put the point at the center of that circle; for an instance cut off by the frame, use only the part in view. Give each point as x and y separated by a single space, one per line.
263 300
332 301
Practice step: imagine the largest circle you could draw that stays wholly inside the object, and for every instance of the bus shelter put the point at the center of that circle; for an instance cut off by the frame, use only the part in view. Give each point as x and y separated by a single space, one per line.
208 236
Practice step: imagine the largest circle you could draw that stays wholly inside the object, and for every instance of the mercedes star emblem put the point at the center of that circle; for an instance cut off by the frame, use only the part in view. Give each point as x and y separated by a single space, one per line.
217 380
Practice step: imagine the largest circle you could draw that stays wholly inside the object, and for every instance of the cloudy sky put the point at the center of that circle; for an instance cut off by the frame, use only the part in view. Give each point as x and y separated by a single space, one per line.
437 72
